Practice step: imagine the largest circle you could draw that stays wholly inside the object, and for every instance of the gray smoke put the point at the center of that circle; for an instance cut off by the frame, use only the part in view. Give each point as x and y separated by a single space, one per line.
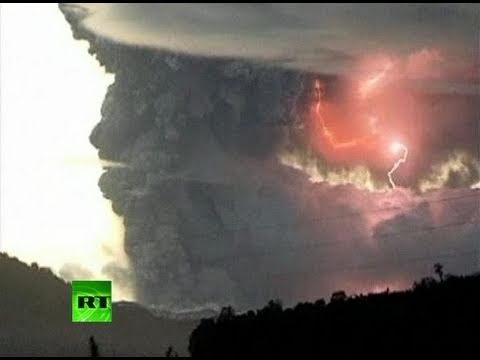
212 216
73 271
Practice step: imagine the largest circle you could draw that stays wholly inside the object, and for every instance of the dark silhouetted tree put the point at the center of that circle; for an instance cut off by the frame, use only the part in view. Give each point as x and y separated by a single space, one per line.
338 296
424 284
275 305
170 352
226 313
93 347
438 268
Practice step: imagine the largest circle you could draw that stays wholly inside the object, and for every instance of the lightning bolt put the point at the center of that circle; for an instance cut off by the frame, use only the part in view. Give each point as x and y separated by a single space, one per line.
372 82
326 131
396 147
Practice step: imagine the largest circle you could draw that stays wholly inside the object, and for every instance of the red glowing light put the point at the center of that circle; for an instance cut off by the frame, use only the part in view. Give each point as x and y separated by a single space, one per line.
355 125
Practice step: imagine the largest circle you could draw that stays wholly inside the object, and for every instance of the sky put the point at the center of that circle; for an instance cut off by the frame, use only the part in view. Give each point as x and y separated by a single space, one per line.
52 211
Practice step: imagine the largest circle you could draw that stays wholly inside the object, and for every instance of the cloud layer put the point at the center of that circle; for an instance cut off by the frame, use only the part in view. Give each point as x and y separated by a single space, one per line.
316 37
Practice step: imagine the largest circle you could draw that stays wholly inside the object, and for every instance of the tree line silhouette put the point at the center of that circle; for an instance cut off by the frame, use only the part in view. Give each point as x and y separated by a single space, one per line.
436 317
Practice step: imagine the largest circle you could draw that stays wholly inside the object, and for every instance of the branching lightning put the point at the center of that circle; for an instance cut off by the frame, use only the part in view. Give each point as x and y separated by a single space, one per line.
319 90
372 82
365 89
396 147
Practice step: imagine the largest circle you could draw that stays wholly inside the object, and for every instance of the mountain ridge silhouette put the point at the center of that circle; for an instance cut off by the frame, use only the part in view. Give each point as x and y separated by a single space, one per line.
35 319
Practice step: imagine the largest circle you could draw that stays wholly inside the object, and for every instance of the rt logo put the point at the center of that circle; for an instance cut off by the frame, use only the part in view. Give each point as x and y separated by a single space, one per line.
91 301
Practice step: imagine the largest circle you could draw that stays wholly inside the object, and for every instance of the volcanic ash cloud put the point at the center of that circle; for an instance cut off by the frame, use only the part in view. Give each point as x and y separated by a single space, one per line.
211 214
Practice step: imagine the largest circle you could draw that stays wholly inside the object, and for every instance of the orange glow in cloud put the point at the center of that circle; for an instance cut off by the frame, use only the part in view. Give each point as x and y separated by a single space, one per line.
423 64
333 135
377 103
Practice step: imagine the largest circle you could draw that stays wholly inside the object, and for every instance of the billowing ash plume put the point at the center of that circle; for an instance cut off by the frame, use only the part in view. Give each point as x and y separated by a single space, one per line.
213 216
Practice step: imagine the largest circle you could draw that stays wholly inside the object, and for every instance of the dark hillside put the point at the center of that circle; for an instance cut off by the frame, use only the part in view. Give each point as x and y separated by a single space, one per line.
434 317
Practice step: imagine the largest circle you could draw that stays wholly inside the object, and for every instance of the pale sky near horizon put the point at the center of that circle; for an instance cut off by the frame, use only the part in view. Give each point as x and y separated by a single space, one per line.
52 210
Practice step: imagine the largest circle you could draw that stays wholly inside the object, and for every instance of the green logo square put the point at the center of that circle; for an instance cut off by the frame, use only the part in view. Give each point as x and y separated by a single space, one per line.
91 301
